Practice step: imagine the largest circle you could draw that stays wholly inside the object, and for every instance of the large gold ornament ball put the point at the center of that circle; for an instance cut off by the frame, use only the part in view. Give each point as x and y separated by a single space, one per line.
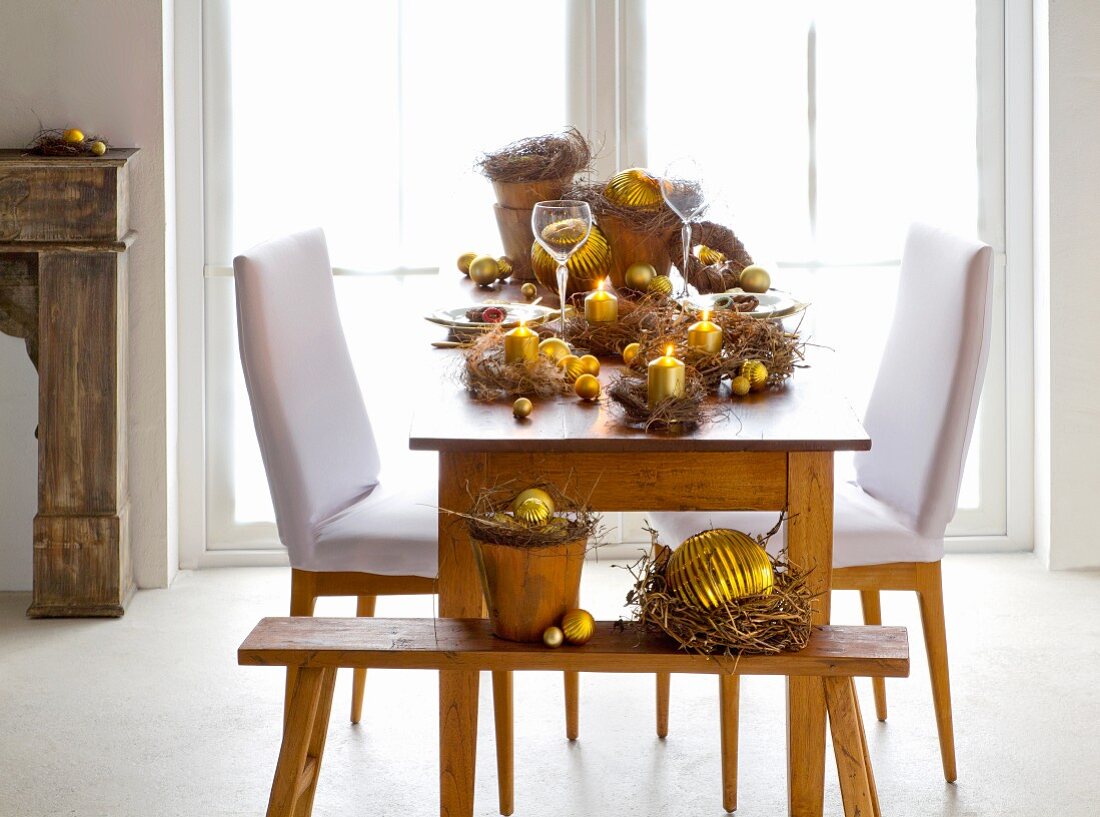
534 493
634 187
740 386
504 267
661 285
587 266
555 349
638 276
572 366
553 637
578 626
522 408
587 387
756 373
529 291
591 364
72 136
532 511
755 279
718 566
464 262
484 270
630 352
708 256
97 148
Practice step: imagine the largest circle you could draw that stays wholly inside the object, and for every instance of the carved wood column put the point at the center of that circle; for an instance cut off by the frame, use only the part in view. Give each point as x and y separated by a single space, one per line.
64 241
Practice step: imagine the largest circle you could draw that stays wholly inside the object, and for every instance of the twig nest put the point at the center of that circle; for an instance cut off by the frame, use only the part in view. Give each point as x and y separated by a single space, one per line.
578 626
634 187
522 408
551 156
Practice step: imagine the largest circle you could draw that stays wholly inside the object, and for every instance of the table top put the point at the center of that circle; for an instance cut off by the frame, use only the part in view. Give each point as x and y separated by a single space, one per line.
806 414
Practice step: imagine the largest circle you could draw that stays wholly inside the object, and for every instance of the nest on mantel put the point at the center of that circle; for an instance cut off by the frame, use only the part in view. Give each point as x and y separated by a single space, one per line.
51 142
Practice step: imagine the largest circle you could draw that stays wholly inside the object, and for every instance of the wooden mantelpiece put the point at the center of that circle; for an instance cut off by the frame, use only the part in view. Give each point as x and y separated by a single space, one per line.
64 241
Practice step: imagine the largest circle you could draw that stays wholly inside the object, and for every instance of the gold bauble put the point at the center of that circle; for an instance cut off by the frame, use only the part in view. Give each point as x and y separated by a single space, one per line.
522 408
591 364
756 373
572 366
504 267
534 493
661 285
740 386
638 276
555 349
634 187
72 136
566 232
631 352
755 279
717 566
708 256
587 266
529 291
553 637
464 262
587 387
532 511
97 148
578 626
506 521
484 270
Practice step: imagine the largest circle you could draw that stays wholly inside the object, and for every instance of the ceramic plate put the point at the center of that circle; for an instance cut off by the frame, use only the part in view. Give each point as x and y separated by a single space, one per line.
773 303
456 318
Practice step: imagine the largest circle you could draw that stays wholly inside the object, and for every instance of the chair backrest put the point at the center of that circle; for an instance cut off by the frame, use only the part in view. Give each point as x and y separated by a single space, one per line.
922 408
315 437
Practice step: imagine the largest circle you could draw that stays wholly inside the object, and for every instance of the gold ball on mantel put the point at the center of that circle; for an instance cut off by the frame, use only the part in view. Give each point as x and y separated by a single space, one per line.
756 373
587 387
97 148
532 511
72 136
529 291
522 408
534 493
591 364
630 352
578 626
504 265
740 386
553 637
755 279
638 275
634 187
572 366
464 262
555 349
661 285
717 566
484 270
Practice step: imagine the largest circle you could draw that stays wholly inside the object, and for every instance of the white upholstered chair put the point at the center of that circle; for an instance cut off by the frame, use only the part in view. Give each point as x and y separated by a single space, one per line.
348 530
889 522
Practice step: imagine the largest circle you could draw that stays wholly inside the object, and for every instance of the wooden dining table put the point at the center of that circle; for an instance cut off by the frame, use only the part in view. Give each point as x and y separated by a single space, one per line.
770 451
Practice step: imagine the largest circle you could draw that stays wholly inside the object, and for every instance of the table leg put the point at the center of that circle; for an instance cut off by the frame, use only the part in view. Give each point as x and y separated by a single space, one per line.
810 545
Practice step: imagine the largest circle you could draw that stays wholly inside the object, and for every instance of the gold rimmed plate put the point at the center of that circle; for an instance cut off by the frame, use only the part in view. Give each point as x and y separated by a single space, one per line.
773 304
455 317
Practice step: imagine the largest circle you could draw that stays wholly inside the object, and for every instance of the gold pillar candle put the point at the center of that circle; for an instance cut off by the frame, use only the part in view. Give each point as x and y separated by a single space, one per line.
705 335
601 306
521 345
666 378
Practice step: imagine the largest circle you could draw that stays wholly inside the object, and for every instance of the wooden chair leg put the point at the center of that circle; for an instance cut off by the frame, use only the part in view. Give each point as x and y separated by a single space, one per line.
297 737
664 684
303 601
364 607
930 596
307 785
872 614
503 715
851 763
729 690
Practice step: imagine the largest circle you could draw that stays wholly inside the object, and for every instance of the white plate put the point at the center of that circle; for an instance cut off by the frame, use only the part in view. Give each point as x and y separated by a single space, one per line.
773 303
455 317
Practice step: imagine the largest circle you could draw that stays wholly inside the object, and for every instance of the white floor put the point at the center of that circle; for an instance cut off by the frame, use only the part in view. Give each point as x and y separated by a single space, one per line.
150 715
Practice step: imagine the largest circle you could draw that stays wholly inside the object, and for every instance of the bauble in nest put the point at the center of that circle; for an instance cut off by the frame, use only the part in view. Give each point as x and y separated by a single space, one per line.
634 187
717 566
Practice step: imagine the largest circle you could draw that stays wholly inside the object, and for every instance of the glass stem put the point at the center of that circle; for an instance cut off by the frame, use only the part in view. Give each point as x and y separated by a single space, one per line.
685 238
563 280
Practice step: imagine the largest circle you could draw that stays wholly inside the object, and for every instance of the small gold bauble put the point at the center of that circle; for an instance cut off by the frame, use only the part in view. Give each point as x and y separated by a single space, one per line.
529 291
587 387
631 352
522 408
484 270
756 373
591 364
661 285
504 267
72 136
534 493
572 366
97 148
717 566
587 266
638 276
634 187
555 349
740 386
578 626
755 279
553 637
464 262
532 511
708 256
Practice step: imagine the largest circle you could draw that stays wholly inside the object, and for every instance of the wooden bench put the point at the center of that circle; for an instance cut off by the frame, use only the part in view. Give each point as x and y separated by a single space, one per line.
317 647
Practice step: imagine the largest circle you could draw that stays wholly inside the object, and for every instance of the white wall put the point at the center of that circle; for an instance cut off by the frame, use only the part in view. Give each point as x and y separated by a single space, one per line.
1067 276
98 65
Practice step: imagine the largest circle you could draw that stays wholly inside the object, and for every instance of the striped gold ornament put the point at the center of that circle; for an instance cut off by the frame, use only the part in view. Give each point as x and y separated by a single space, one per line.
534 493
573 367
661 285
586 266
634 187
718 566
532 511
756 373
708 256
578 626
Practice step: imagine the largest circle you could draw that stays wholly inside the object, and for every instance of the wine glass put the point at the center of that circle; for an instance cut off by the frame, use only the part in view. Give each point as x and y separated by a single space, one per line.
561 228
683 191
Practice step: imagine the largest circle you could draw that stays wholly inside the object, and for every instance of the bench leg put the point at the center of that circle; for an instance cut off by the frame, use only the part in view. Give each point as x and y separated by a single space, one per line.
729 690
502 712
866 756
303 743
364 606
664 684
851 762
303 602
871 602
